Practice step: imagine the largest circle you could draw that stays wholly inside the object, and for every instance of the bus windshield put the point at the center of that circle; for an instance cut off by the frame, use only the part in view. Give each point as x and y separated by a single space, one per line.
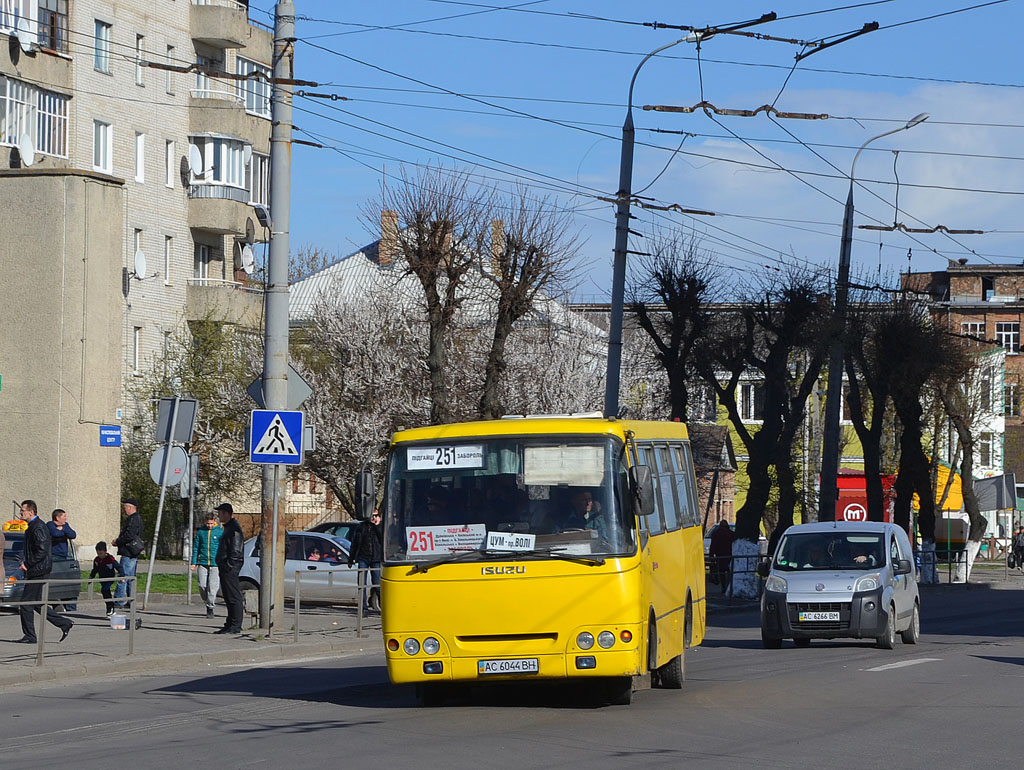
523 497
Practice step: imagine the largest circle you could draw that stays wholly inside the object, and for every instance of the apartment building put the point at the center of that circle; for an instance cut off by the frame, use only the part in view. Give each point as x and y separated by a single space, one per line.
134 140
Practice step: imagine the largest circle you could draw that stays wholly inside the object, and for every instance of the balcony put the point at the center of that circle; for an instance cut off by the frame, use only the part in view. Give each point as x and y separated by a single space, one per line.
208 299
219 109
219 23
218 208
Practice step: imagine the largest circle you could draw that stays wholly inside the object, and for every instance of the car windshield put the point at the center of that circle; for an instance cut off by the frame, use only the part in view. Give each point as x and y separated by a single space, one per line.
531 496
830 550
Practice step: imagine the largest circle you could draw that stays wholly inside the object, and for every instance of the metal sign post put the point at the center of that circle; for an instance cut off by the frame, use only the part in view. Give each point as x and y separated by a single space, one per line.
160 508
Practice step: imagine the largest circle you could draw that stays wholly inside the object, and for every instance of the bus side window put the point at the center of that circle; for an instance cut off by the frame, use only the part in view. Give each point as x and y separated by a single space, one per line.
690 513
655 522
667 490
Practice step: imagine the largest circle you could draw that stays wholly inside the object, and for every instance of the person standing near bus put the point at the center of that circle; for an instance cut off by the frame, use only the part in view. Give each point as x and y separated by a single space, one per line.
368 551
204 561
230 556
720 553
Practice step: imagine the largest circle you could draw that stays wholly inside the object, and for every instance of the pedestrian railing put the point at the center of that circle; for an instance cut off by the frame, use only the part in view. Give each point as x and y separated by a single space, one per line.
721 570
45 603
365 589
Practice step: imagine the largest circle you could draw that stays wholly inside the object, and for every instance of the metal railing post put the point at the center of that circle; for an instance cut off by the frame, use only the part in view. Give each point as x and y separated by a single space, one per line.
41 627
131 618
298 593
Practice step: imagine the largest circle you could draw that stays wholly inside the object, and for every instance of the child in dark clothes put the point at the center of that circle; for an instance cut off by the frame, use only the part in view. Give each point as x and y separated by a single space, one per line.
105 566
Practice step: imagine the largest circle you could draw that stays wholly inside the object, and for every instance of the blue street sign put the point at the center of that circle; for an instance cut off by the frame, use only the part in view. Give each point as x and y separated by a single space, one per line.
110 435
275 436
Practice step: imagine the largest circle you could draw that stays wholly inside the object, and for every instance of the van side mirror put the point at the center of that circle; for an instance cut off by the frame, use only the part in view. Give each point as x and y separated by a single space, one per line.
365 495
643 489
763 568
902 567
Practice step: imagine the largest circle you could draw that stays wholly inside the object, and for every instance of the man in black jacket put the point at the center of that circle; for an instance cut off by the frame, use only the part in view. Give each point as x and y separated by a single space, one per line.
368 549
37 561
130 546
230 555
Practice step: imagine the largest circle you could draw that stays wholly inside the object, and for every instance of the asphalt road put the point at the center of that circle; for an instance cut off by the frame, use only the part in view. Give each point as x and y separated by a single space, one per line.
954 700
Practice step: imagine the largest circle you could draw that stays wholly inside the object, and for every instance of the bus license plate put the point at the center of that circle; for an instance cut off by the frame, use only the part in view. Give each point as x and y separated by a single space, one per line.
508 666
818 616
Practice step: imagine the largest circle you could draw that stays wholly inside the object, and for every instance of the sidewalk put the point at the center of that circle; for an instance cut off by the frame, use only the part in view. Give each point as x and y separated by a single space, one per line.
175 637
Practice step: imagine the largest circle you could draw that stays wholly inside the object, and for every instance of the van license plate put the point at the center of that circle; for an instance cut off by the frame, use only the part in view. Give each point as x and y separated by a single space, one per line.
810 617
508 666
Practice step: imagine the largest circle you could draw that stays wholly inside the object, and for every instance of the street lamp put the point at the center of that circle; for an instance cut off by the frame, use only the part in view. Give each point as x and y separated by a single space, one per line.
828 493
611 392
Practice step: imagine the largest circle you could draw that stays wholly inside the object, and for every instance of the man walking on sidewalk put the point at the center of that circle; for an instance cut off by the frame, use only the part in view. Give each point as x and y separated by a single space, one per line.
230 556
37 561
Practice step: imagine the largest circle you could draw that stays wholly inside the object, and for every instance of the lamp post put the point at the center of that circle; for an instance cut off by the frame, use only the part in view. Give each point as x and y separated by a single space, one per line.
828 494
611 392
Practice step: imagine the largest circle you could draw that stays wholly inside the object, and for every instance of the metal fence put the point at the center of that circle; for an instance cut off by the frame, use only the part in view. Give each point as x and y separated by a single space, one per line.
366 588
45 603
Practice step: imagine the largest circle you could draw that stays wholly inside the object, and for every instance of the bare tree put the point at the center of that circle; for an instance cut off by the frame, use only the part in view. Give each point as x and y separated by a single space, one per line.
441 223
531 253
670 299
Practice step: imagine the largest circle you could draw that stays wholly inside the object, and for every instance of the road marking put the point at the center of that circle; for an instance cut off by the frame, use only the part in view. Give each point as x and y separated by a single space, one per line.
902 664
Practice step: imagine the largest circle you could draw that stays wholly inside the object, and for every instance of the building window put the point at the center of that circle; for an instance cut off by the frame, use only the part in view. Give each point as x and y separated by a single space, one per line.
101 53
202 89
140 156
101 146
201 262
255 89
985 449
973 329
1008 335
985 391
258 179
169 163
751 401
136 349
703 406
1011 400
43 115
168 258
228 163
140 47
53 25
170 75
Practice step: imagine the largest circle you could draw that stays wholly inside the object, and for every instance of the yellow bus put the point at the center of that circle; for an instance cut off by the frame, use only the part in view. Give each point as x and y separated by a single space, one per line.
543 548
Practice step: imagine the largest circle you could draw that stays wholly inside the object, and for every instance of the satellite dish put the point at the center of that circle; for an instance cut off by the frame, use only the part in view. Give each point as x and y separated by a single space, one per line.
247 153
140 264
248 261
250 230
24 34
27 150
195 160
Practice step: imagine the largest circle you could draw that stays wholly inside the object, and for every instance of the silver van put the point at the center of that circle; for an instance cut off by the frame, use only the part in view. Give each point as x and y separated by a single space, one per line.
835 580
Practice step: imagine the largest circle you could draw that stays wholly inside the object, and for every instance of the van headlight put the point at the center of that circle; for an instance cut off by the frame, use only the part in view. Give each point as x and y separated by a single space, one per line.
776 584
867 582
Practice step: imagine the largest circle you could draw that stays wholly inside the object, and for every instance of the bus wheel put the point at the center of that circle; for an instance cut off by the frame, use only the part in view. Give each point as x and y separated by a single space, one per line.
432 694
672 675
619 691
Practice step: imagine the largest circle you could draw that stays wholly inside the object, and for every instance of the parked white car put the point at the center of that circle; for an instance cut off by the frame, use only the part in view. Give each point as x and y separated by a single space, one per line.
841 579
321 560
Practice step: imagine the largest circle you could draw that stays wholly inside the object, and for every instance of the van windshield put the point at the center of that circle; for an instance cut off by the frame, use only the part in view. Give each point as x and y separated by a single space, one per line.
830 550
527 495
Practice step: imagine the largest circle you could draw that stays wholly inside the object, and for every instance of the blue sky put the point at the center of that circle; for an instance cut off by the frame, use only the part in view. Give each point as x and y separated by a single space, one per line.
535 92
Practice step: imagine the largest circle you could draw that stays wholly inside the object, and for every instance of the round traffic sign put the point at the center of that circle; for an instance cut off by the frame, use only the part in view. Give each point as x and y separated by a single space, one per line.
177 468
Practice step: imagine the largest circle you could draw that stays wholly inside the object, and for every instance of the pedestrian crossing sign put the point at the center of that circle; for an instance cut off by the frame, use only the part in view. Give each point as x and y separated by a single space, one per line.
275 436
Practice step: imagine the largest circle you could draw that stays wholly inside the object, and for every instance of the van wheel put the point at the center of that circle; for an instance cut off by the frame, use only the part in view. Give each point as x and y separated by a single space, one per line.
913 632
802 641
888 638
770 642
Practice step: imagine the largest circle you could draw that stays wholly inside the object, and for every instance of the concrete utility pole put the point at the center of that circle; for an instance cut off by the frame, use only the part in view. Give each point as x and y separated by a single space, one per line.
275 351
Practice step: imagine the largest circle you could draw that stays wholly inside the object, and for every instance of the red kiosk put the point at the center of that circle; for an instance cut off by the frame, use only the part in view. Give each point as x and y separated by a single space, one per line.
852 503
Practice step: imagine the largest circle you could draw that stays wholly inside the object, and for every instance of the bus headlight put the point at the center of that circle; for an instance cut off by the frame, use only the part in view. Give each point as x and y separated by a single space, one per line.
585 640
606 639
431 646
411 646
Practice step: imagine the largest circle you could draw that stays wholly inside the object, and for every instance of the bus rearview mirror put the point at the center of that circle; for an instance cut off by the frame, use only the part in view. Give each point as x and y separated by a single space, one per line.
643 489
365 496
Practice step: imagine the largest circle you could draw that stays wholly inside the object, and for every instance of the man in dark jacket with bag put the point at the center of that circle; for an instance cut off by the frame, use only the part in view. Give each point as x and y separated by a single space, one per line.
230 556
368 549
130 546
37 561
